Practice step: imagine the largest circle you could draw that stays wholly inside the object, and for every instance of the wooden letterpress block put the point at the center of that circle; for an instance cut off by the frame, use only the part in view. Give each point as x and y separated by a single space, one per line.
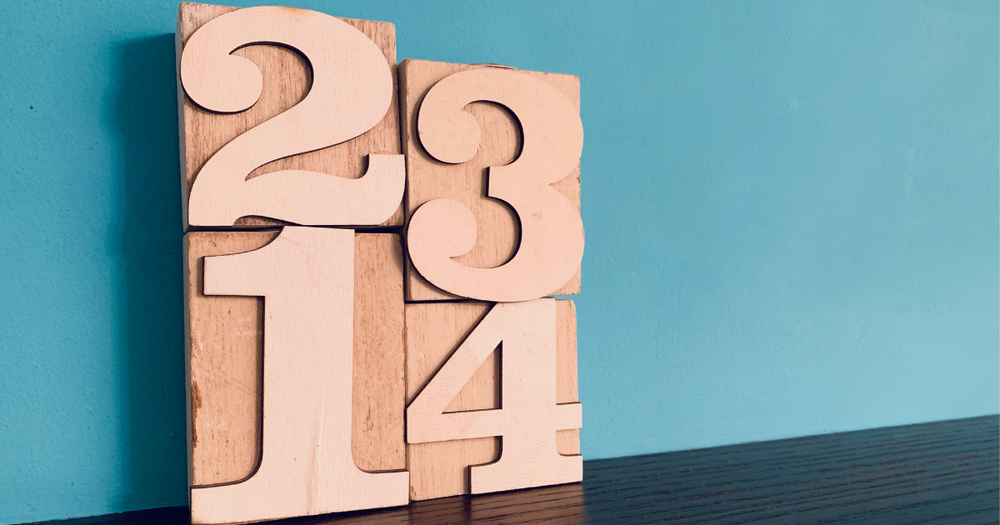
225 342
496 143
433 332
302 124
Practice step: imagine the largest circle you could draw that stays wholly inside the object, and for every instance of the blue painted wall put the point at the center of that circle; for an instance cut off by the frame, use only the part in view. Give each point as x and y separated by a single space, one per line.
791 211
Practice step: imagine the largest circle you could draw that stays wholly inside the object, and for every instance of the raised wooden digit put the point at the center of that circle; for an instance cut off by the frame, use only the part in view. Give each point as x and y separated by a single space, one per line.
225 341
524 240
306 277
259 166
528 417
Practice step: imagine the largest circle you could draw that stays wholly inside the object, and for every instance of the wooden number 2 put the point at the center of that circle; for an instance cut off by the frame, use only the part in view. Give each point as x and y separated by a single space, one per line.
351 92
529 417
551 244
306 276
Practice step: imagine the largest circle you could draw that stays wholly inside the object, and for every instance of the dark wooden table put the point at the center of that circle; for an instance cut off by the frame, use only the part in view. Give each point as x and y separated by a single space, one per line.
946 472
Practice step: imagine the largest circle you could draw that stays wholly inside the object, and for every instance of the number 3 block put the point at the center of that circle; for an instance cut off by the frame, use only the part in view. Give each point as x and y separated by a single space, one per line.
493 156
304 132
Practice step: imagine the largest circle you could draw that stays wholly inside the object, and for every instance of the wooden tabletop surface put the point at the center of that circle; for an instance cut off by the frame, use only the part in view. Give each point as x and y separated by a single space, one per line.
944 472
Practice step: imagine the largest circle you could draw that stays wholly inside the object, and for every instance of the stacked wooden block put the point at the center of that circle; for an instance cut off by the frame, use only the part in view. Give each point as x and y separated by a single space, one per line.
371 252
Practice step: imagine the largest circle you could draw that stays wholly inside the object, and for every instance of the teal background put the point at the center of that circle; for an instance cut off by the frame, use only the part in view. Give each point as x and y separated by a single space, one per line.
791 212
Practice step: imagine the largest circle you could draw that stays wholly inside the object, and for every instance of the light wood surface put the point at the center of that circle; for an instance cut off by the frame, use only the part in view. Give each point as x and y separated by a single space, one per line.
225 360
225 341
567 441
306 276
496 233
433 332
379 354
311 124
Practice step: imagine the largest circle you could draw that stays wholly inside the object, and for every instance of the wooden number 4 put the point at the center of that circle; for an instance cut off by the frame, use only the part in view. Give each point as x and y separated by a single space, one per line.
528 417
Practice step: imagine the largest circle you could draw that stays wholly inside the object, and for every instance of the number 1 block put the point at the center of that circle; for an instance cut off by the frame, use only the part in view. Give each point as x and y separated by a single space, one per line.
226 367
238 141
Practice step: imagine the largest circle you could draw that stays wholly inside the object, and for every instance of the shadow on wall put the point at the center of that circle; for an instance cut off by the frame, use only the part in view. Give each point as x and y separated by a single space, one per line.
142 108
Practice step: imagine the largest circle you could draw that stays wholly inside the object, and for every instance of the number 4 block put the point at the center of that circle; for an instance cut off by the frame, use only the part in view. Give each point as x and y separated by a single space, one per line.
514 367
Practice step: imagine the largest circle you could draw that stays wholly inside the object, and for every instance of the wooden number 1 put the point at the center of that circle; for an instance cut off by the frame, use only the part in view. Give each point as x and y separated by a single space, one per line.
529 416
306 276
350 93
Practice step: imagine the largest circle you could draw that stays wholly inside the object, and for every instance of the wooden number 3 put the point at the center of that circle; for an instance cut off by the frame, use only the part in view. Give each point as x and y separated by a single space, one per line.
351 92
551 244
529 416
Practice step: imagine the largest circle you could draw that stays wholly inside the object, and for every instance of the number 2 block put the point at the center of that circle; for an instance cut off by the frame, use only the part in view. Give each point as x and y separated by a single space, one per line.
510 174
434 333
268 136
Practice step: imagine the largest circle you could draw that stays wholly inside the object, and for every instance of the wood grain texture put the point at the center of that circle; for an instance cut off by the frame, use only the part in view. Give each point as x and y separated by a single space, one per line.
567 441
497 227
433 331
379 355
225 345
528 417
934 473
286 81
550 245
306 277
225 341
